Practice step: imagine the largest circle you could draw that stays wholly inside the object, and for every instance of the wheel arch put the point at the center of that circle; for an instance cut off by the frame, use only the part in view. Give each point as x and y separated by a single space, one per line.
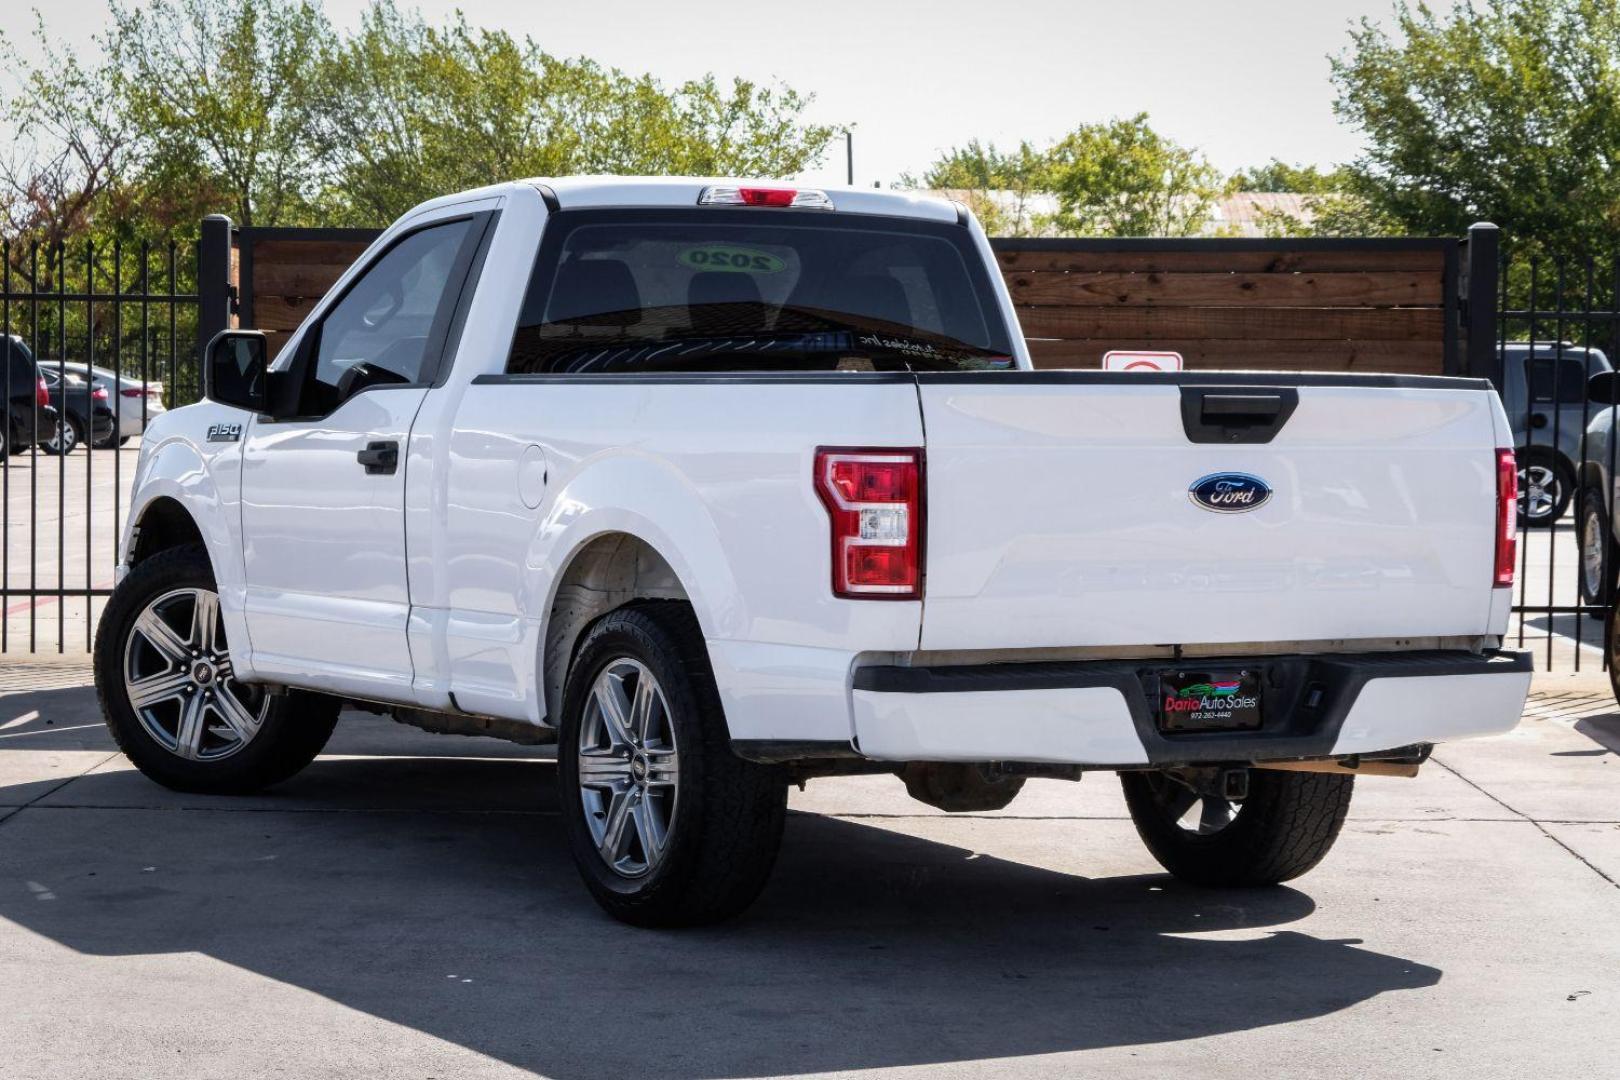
604 573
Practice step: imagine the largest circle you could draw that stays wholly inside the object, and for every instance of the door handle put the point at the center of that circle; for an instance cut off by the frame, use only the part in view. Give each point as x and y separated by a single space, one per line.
379 458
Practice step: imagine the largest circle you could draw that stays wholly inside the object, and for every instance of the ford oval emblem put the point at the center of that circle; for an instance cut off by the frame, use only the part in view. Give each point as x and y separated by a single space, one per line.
1229 492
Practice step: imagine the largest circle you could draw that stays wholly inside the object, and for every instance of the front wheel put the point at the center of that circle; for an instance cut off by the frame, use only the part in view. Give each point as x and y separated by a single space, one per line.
667 826
171 698
1282 828
1597 566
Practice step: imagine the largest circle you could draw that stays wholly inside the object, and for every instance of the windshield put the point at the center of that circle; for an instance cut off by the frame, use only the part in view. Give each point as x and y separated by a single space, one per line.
756 290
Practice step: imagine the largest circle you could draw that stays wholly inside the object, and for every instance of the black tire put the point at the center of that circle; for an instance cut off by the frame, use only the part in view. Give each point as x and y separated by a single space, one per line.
293 726
1282 829
1560 479
1596 587
74 429
726 815
112 442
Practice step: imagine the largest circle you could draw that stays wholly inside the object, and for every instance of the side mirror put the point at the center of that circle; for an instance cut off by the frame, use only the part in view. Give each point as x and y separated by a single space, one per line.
234 372
1604 388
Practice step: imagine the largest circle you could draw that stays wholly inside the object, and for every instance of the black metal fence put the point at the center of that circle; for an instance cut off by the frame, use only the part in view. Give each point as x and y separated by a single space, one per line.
1557 324
139 309
129 308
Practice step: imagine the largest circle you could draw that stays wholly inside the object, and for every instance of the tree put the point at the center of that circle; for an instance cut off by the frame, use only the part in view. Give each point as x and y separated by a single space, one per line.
227 93
1122 178
1277 176
1119 178
1004 190
1507 111
71 145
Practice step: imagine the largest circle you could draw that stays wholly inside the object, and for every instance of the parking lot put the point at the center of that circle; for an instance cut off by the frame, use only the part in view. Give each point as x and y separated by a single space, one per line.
405 907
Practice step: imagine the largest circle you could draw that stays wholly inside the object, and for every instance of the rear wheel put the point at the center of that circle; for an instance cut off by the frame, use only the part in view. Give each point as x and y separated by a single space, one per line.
1546 484
1284 826
66 437
171 698
667 826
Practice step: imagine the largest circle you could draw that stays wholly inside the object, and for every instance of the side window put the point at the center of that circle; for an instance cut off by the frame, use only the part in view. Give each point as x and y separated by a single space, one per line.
383 329
1563 380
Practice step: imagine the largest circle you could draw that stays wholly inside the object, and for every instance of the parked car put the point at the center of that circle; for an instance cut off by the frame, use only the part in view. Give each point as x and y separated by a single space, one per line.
136 402
87 416
1544 393
663 470
29 412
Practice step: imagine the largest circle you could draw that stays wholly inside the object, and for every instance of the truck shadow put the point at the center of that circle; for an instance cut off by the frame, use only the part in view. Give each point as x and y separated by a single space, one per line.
870 948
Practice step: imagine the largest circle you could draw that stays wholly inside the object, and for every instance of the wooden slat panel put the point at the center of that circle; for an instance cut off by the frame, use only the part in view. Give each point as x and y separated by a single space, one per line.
281 312
1405 357
1164 323
1384 289
326 252
295 278
1196 260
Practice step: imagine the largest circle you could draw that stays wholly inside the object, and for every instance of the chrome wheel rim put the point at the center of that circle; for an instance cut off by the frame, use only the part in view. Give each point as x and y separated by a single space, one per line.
1189 811
64 439
629 768
1592 553
179 680
1538 487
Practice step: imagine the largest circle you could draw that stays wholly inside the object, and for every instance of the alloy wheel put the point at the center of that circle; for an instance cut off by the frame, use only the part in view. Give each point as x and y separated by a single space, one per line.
179 680
1592 539
1538 491
629 768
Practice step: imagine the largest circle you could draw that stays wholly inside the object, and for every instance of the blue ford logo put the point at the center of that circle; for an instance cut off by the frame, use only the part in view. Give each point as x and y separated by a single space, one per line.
1229 492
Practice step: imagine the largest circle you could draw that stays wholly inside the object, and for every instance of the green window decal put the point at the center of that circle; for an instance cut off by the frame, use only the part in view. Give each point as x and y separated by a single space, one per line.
731 259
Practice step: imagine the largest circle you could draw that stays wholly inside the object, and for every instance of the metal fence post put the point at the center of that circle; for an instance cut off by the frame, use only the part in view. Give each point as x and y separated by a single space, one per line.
214 288
1479 293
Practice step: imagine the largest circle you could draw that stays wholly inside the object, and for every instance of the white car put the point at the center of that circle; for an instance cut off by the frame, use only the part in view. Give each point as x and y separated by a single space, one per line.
137 403
723 485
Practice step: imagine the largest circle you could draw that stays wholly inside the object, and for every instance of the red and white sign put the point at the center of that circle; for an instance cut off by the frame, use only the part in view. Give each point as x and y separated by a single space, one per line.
1138 360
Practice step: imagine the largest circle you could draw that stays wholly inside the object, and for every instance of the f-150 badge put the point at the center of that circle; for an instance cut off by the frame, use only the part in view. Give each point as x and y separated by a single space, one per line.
1229 492
225 433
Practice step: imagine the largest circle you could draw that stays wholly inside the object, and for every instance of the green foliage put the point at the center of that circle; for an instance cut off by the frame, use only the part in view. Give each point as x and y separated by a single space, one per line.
1508 110
261 109
1122 178
1277 176
1119 178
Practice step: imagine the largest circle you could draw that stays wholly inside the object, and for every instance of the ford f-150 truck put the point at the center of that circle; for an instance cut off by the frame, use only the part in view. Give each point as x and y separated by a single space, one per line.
723 485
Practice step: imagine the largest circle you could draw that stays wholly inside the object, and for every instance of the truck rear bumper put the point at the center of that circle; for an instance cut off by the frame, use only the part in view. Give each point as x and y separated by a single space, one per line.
1103 713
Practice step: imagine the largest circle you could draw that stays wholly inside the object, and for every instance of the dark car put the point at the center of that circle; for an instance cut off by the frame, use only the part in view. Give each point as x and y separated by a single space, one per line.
87 408
28 413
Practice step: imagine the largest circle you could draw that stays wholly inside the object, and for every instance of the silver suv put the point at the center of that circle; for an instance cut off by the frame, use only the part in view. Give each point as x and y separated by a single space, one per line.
1544 393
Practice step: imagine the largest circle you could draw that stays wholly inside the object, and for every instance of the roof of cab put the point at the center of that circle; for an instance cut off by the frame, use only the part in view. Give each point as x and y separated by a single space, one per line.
581 192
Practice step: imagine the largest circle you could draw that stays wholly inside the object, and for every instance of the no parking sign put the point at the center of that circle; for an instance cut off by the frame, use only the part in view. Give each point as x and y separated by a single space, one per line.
1140 360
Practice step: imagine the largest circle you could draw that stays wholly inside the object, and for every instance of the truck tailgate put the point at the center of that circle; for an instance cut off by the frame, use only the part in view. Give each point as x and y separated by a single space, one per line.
1059 511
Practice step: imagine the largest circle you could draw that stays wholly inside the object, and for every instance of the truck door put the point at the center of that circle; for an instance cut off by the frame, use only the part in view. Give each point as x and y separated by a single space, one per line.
323 493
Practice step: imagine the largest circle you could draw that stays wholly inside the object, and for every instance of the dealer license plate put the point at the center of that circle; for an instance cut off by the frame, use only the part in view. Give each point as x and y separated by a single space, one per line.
1209 700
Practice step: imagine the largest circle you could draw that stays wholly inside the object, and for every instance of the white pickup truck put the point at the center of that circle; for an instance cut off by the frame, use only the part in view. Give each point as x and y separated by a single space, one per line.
724 485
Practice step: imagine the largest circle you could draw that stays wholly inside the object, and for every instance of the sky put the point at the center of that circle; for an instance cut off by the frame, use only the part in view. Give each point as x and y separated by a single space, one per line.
1241 80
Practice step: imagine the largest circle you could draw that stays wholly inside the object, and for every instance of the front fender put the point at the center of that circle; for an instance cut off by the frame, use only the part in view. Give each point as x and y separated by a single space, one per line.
205 479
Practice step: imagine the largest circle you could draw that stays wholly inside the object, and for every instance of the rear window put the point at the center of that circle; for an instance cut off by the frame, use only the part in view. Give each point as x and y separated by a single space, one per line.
1556 380
710 290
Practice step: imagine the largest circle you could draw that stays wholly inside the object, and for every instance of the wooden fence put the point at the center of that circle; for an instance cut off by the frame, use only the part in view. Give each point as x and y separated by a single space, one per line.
1389 305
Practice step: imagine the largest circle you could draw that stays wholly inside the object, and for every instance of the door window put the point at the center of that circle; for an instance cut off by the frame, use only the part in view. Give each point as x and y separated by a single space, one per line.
382 332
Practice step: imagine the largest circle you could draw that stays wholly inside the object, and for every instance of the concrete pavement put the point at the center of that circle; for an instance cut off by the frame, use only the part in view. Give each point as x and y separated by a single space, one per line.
406 907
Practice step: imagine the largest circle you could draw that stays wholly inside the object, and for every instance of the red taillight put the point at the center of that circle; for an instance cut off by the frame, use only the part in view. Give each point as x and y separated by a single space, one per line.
1507 516
131 391
99 393
734 195
42 393
874 500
